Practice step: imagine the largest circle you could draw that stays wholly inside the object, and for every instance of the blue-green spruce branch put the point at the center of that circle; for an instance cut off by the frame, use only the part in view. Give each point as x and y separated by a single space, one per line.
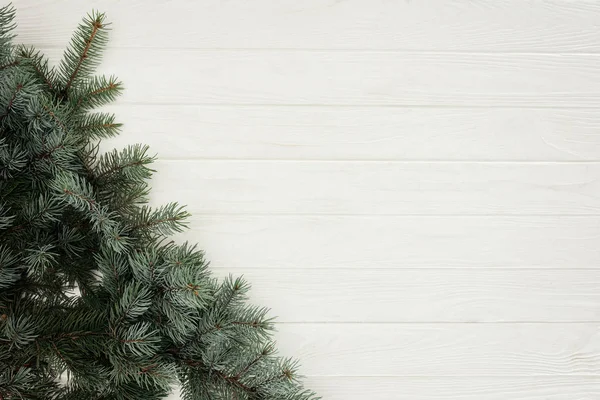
96 302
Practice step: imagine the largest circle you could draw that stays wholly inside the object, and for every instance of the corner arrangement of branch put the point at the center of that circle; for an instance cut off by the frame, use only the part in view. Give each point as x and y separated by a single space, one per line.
96 302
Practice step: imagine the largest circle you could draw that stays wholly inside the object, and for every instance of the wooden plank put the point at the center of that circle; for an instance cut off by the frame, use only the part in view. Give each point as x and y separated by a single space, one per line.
386 188
455 388
452 388
309 78
361 133
463 350
356 78
415 295
485 25
246 242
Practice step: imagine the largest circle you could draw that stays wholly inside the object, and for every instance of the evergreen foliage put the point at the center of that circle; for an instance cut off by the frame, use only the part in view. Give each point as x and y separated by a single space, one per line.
95 301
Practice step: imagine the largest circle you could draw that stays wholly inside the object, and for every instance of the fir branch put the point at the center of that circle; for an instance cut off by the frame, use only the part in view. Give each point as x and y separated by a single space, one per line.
83 47
55 118
98 126
10 270
80 197
134 302
6 219
10 64
131 162
147 311
11 102
166 220
235 381
267 350
96 92
36 61
7 25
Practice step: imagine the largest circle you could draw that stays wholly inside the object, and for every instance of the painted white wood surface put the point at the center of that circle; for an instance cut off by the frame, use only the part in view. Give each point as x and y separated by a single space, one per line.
411 185
455 388
385 188
442 349
362 133
347 78
456 295
341 241
438 25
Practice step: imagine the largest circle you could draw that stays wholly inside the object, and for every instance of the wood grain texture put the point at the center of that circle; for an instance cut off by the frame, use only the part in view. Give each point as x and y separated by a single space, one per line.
415 295
386 188
440 349
361 133
455 388
487 25
246 242
310 78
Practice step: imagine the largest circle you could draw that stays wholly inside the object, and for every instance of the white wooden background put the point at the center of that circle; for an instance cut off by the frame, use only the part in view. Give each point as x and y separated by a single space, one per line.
412 186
